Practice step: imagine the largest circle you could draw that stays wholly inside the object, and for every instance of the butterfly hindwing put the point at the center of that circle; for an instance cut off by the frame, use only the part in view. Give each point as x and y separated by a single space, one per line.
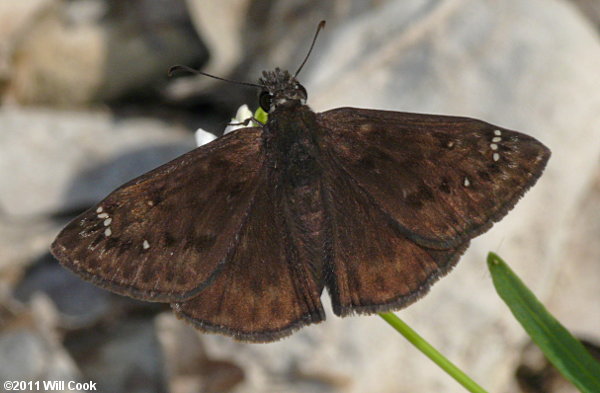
375 267
442 179
164 235
264 291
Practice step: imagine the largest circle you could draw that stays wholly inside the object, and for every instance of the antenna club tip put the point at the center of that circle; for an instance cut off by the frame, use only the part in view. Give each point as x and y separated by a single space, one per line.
322 24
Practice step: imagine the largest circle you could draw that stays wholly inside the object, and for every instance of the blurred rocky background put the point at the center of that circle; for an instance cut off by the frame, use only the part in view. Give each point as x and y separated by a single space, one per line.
87 104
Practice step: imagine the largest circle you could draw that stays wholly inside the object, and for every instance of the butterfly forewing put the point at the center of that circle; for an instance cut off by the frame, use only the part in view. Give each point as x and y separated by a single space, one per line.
264 292
164 235
443 180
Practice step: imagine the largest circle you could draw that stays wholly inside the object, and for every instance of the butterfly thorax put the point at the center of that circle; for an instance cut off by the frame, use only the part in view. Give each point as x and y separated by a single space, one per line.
294 162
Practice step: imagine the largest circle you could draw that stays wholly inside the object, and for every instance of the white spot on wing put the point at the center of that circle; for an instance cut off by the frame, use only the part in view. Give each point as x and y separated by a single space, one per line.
497 132
107 232
146 245
366 127
467 183
496 139
103 215
99 209
496 156
493 146
107 222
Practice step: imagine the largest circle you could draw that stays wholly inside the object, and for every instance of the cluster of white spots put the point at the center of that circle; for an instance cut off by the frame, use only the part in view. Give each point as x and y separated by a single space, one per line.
107 220
467 182
494 145
146 245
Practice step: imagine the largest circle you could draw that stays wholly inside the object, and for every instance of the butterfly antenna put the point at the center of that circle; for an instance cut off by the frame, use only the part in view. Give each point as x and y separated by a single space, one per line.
319 28
176 68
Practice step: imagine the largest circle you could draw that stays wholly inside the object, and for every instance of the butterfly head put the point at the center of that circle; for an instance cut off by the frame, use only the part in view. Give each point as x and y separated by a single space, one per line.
280 88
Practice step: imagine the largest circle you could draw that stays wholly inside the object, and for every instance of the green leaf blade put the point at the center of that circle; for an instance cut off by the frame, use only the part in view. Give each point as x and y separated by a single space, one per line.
563 350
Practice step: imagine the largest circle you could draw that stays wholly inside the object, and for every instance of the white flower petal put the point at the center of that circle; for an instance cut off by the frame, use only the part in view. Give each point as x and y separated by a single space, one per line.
203 137
243 113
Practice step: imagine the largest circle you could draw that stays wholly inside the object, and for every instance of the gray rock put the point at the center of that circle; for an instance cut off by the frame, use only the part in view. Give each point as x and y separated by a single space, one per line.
73 53
30 349
54 161
245 37
578 275
221 26
123 357
189 367
591 10
88 307
22 240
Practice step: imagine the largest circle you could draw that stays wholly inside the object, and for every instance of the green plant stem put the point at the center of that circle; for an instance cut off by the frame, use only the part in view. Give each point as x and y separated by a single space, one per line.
415 339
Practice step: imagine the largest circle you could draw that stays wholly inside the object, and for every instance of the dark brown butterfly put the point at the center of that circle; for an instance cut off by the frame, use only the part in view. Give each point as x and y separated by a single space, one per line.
242 235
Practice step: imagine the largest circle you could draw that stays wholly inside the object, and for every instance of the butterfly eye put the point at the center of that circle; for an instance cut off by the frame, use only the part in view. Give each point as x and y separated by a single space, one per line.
302 91
264 100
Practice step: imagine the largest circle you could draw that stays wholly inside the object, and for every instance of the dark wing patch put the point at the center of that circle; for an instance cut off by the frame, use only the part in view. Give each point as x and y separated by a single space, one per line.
442 179
374 266
264 292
